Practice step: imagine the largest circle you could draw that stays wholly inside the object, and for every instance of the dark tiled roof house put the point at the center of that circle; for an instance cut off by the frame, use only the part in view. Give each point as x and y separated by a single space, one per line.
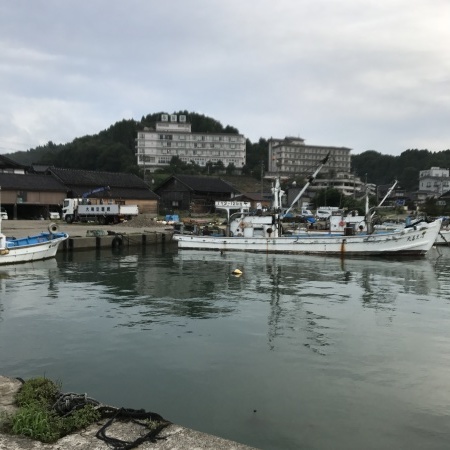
194 193
32 192
123 188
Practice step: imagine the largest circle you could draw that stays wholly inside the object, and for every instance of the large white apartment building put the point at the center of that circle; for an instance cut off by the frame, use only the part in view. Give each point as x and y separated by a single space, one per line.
172 136
291 156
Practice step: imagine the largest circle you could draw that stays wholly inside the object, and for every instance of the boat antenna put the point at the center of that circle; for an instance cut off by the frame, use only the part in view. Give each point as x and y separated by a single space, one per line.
310 180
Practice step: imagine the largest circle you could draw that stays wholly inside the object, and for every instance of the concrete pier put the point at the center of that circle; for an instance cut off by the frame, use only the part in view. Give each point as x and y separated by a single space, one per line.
117 240
93 236
175 436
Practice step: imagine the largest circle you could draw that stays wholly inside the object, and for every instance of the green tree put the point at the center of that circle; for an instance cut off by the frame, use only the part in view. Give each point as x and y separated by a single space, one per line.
209 168
328 197
230 169
176 165
257 154
219 166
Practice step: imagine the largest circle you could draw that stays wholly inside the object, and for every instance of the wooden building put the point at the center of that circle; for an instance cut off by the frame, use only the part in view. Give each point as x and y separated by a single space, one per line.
123 188
255 199
193 193
30 196
33 192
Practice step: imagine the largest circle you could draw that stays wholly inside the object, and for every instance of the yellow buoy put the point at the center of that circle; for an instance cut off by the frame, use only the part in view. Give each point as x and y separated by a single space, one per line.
237 272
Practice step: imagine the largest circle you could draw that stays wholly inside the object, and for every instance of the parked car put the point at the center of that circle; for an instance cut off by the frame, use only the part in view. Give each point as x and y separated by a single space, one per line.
54 215
3 214
322 214
306 213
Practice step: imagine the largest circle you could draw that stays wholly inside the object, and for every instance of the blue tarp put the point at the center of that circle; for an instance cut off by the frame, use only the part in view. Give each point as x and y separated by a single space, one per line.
172 218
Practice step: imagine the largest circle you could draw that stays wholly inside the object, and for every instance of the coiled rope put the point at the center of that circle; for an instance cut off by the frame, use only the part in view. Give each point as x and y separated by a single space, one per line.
68 403
139 417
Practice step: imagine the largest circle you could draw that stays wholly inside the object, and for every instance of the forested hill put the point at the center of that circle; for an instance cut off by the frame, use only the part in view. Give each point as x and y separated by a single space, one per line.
384 169
114 150
111 150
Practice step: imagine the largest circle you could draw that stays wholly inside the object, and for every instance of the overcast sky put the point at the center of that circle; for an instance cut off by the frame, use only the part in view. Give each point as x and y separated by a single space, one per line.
368 75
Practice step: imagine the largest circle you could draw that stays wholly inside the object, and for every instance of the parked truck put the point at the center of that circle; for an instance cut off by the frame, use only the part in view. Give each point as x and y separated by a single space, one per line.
79 209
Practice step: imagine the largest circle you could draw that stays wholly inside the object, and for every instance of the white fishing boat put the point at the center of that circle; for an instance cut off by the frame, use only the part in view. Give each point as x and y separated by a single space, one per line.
263 234
443 238
30 248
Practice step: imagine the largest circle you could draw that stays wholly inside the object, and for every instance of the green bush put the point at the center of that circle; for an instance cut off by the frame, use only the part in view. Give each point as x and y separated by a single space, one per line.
36 422
36 417
40 390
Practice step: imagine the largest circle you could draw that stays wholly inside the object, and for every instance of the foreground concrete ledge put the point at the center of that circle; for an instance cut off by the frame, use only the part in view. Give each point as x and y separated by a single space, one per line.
176 437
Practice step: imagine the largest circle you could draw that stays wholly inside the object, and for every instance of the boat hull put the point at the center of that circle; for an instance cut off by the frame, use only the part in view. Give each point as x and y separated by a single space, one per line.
411 241
443 237
33 248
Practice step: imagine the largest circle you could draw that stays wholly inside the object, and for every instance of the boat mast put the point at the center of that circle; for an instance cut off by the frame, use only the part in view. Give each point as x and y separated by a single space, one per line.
0 209
310 180
386 196
277 194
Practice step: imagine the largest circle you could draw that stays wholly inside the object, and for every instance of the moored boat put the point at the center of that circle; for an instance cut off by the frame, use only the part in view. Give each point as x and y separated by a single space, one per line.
31 248
409 241
443 238
264 234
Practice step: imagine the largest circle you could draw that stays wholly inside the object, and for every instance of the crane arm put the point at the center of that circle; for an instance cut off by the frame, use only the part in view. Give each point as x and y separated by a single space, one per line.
310 180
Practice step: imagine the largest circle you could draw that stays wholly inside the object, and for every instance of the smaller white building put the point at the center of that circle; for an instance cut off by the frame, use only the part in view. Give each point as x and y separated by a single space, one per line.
434 181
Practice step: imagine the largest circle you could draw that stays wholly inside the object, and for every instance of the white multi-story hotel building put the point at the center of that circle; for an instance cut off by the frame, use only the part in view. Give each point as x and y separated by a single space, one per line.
173 137
291 156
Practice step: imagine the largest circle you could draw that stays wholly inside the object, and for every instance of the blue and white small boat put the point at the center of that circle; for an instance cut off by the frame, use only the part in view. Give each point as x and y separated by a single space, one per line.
30 248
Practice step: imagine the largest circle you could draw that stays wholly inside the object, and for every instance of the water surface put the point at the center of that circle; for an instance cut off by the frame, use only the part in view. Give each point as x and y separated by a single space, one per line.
297 353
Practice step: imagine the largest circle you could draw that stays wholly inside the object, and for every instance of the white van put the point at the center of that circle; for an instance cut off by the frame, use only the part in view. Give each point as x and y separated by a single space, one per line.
3 214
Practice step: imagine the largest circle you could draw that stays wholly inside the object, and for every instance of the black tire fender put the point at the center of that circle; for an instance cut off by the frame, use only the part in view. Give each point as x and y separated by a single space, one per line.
117 242
53 228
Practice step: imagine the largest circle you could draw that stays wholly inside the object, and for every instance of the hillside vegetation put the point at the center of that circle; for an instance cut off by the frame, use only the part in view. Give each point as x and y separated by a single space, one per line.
113 150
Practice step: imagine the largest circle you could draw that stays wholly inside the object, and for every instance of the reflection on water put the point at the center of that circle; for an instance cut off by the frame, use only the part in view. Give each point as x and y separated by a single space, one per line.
23 276
309 342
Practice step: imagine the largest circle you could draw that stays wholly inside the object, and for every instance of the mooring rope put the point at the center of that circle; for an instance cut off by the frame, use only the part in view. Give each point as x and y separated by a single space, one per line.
70 402
135 416
67 403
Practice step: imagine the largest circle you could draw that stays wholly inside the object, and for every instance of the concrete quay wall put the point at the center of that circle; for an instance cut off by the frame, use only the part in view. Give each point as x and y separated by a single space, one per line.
114 240
175 437
92 236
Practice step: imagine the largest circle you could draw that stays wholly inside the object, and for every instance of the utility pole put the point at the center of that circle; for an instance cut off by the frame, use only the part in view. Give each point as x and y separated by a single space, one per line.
262 179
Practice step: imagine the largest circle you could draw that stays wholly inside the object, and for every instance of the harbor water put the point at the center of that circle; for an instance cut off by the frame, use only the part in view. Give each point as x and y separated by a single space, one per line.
298 352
